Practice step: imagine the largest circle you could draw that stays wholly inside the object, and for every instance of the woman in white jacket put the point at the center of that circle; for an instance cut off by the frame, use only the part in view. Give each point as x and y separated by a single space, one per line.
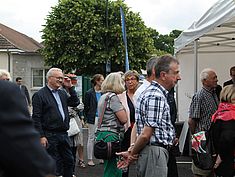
131 78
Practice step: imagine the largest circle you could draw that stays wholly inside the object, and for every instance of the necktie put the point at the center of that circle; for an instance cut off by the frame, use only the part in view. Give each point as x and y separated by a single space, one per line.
57 98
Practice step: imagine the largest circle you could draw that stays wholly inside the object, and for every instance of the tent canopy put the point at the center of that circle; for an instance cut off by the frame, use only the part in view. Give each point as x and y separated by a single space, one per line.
207 43
214 31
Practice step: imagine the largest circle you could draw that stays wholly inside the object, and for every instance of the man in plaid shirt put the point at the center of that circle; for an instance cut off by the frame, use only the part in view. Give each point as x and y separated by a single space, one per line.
154 128
204 104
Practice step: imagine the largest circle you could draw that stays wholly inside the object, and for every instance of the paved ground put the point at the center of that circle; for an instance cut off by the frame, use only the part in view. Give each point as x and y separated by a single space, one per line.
183 163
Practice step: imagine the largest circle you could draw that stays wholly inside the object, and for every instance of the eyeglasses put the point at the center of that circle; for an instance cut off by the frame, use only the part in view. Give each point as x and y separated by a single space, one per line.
130 79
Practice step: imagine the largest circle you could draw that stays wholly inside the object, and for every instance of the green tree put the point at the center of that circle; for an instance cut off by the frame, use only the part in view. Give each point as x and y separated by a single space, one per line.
78 36
164 43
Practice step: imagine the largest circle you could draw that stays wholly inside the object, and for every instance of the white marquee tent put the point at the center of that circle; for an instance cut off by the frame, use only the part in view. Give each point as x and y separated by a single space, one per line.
208 42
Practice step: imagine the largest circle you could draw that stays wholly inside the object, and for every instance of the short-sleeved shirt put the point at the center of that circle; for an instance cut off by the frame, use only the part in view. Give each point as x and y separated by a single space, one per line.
203 106
110 121
153 111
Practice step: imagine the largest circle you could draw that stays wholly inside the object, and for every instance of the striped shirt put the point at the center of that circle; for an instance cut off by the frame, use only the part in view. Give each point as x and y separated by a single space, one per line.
110 121
203 106
153 111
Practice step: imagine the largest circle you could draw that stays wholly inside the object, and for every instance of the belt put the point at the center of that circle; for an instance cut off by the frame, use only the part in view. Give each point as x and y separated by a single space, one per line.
167 147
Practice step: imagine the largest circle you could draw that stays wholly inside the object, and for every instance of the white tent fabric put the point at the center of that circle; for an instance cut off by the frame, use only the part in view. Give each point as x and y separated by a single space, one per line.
216 28
207 43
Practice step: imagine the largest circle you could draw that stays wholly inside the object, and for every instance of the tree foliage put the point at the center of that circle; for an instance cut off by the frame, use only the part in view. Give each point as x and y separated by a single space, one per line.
164 43
77 35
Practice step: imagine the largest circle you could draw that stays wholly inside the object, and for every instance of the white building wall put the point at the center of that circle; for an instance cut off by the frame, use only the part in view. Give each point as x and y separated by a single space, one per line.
221 62
3 61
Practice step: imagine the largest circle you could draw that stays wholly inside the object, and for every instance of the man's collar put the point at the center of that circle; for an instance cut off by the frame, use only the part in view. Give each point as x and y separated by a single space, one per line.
209 90
51 89
164 91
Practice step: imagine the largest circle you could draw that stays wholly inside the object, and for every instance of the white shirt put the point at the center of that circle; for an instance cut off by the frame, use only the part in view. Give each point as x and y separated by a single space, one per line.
141 88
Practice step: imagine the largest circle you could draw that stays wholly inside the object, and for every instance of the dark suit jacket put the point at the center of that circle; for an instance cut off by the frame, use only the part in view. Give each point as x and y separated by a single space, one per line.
46 114
25 92
228 83
90 106
21 153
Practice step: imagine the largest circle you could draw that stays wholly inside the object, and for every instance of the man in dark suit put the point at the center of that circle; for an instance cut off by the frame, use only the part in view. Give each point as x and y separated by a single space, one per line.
23 89
232 74
51 119
21 153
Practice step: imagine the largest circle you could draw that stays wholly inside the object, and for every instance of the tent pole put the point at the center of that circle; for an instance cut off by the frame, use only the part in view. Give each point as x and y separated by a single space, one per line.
195 64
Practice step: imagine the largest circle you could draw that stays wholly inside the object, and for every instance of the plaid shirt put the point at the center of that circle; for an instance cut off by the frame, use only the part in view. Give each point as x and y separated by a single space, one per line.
153 111
203 106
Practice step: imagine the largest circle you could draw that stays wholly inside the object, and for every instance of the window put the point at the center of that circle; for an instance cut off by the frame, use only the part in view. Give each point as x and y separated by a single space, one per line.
39 77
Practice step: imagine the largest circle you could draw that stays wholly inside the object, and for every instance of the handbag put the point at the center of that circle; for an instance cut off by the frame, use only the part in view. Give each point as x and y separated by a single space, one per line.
73 127
106 150
202 150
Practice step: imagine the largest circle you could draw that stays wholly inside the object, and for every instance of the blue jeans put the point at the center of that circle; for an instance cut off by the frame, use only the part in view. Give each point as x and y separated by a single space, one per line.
59 147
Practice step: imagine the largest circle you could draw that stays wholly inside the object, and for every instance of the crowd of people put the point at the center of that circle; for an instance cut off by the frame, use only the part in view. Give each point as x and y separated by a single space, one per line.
117 107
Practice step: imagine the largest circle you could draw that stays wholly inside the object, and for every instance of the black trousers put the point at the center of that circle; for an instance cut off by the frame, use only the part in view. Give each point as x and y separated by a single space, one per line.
224 141
125 146
172 166
60 149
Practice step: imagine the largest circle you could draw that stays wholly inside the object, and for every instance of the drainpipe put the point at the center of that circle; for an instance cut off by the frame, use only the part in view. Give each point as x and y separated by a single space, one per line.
9 60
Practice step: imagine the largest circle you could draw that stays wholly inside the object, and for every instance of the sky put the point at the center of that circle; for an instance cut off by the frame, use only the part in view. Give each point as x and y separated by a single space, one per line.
28 16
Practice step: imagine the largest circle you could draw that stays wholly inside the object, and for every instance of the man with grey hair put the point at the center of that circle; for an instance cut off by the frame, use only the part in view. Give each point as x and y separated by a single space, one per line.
153 121
51 119
150 76
204 104
150 68
5 75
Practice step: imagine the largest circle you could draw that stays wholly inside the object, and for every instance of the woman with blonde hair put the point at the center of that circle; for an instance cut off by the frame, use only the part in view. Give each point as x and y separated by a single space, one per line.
5 75
223 131
112 118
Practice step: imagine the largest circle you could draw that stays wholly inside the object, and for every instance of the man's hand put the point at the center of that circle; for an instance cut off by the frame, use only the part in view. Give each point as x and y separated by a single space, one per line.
80 107
83 123
176 141
125 159
44 142
67 82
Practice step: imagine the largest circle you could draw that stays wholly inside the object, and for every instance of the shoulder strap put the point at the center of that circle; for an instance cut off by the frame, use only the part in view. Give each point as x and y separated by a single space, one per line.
103 110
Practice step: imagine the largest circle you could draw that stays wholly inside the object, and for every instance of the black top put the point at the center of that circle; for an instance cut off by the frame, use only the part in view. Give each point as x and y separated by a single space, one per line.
90 106
218 89
46 114
131 108
21 153
172 104
228 83
25 92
